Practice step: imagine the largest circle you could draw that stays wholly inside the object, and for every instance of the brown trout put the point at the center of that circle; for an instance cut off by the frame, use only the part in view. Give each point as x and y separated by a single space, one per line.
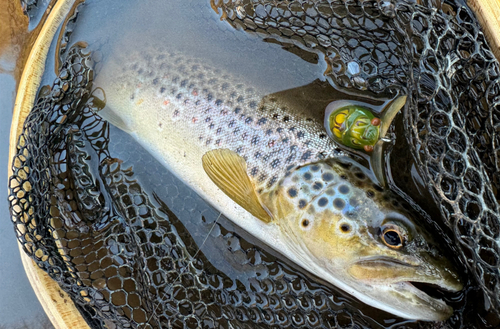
278 175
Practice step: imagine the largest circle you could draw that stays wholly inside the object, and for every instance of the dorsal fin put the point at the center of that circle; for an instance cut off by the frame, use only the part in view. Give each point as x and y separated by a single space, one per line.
228 171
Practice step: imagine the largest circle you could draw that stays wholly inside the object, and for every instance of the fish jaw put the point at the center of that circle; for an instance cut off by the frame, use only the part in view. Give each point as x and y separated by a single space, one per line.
423 269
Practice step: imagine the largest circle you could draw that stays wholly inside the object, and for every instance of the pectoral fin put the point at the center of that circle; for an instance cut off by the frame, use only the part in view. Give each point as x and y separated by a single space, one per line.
228 171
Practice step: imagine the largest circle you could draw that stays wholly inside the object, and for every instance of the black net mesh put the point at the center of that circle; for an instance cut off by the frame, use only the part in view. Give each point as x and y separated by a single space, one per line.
435 53
127 261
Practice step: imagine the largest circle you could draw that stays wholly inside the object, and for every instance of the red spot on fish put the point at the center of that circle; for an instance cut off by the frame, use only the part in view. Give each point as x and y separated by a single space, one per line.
139 85
195 92
166 102
194 120
271 143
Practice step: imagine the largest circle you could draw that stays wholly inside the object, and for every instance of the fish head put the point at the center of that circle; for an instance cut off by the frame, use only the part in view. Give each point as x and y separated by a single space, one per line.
365 237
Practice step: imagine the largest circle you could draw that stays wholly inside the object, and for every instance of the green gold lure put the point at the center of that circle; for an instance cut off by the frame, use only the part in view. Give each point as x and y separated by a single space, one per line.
355 126
352 124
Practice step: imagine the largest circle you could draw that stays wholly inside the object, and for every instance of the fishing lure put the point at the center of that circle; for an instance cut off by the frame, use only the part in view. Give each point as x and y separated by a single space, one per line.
354 125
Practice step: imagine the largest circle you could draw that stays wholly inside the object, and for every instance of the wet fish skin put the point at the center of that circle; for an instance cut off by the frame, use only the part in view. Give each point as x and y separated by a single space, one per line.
181 109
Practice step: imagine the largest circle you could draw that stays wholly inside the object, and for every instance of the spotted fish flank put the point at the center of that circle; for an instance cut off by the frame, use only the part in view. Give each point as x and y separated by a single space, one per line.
279 177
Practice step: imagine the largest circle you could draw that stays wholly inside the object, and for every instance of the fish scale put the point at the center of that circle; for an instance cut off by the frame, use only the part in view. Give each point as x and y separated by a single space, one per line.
226 114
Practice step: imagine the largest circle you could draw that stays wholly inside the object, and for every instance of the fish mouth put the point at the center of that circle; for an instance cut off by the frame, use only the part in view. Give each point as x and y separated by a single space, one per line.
407 291
415 271
411 282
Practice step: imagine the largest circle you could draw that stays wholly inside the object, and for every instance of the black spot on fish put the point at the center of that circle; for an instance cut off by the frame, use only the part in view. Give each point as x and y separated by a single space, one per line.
275 163
360 175
272 181
255 140
279 130
370 194
254 171
322 136
257 155
237 110
207 119
344 189
269 132
252 104
306 155
327 177
377 188
248 120
330 191
346 228
290 158
343 176
339 204
276 116
140 71
184 83
162 90
302 204
262 178
286 118
239 149
317 186
155 81
307 176
290 167
178 96
240 99
219 102
218 131
300 134
322 202
285 140
292 192
210 97
261 121
315 168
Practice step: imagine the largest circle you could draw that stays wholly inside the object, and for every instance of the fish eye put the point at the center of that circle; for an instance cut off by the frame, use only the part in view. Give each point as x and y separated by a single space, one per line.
345 228
305 222
393 237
